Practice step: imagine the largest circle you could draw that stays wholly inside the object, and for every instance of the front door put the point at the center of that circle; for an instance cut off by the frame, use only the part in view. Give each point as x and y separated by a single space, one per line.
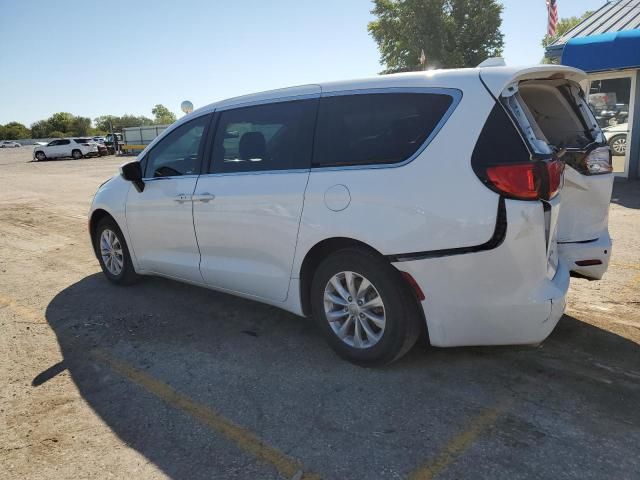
160 218
247 207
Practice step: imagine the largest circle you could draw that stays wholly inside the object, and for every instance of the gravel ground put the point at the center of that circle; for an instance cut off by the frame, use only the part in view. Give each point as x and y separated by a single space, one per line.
164 380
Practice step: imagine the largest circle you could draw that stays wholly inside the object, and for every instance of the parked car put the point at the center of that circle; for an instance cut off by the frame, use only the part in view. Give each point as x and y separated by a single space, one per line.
617 138
379 207
66 147
9 144
98 139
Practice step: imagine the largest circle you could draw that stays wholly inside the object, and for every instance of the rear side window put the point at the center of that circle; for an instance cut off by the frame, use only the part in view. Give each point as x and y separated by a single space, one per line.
64 142
499 142
275 136
380 128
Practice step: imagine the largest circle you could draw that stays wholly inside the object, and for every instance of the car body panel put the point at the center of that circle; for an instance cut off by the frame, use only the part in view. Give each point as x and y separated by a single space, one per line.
500 296
160 224
410 197
247 234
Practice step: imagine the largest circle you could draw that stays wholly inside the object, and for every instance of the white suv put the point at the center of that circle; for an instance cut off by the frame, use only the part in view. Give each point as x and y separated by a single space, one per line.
377 206
66 147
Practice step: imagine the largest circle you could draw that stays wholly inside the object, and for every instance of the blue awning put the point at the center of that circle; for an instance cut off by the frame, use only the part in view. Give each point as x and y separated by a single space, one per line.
608 51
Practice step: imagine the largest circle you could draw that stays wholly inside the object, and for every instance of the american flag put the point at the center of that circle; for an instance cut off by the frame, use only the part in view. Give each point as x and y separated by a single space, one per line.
552 8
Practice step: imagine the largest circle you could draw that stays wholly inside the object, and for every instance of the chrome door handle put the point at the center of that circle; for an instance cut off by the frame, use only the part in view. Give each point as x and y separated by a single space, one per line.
181 198
203 197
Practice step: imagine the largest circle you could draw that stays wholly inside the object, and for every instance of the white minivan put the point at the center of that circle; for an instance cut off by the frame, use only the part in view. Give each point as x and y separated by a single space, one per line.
450 203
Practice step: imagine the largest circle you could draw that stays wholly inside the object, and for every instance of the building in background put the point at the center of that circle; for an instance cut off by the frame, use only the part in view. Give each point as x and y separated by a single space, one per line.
607 46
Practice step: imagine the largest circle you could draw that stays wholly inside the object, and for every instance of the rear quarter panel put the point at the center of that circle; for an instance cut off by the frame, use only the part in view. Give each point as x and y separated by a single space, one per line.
434 202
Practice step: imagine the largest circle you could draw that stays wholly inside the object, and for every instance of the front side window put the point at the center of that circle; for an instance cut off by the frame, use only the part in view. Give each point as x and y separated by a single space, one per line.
378 128
275 136
179 152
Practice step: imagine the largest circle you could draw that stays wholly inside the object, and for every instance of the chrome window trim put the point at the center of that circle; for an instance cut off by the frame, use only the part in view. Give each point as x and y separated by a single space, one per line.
454 93
154 179
259 172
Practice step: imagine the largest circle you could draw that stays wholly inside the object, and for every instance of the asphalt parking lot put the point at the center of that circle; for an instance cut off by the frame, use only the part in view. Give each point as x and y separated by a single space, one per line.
164 380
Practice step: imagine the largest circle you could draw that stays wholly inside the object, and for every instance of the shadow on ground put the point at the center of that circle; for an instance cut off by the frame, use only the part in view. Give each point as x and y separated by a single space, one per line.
270 372
626 193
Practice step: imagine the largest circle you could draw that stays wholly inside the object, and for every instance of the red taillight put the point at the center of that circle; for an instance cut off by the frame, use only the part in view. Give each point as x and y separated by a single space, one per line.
517 181
555 168
528 181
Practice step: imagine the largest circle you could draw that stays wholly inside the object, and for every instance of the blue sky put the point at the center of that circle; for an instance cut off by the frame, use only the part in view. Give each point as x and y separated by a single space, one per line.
92 58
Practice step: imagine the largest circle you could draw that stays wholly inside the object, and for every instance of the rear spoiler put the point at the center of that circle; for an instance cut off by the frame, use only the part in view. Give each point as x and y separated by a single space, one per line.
497 78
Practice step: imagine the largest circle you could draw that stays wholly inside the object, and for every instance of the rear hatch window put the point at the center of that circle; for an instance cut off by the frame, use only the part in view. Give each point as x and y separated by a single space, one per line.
555 119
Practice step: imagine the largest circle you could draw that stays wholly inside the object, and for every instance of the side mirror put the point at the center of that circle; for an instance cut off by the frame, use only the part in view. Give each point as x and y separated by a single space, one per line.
132 172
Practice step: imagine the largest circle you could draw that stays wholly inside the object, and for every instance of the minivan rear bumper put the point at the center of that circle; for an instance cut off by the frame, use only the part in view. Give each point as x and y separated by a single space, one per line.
575 253
502 296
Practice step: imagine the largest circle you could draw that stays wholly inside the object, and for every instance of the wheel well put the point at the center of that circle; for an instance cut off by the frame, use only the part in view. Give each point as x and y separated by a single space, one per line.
314 257
95 219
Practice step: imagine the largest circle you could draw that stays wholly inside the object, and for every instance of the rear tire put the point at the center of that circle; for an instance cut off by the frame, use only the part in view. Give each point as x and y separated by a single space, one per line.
387 330
76 154
113 253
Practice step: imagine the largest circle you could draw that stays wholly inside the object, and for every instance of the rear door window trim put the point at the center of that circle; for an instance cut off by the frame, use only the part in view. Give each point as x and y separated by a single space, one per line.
454 93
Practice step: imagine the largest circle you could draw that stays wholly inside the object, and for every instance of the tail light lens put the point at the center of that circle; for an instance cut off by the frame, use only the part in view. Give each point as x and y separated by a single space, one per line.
598 161
86 144
527 181
517 181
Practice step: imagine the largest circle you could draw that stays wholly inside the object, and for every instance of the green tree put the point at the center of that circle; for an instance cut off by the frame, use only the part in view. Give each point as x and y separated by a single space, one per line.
15 131
163 116
80 126
452 33
39 129
60 122
102 122
563 26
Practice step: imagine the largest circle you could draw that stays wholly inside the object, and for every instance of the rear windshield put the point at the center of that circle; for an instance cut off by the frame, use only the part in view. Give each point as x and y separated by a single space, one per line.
553 115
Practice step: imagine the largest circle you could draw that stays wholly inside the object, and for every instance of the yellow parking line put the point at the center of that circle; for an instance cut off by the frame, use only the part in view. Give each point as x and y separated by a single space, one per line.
243 438
457 445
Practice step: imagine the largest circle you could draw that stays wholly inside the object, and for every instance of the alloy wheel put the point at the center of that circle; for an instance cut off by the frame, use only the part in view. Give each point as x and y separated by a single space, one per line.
354 309
111 252
620 146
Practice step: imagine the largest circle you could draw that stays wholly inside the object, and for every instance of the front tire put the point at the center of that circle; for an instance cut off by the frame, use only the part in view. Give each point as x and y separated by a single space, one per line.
113 253
364 307
618 145
40 156
76 154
